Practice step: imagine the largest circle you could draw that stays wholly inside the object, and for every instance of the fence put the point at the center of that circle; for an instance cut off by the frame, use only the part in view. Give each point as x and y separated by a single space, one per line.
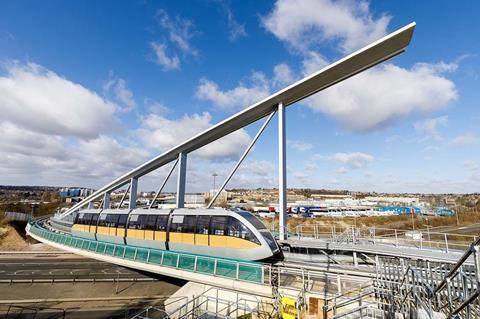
422 239
20 217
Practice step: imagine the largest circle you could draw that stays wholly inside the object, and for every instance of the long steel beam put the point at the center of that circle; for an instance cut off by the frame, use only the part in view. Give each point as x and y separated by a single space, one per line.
373 54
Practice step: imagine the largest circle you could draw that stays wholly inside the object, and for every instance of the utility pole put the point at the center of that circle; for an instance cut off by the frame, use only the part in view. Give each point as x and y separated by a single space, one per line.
413 217
456 212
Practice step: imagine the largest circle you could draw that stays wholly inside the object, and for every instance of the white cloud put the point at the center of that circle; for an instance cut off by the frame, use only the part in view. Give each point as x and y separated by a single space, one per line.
465 139
307 23
122 94
236 29
19 140
156 107
300 146
178 35
430 127
179 31
375 98
255 173
37 159
237 98
42 101
282 75
354 160
382 95
312 62
341 170
161 133
163 59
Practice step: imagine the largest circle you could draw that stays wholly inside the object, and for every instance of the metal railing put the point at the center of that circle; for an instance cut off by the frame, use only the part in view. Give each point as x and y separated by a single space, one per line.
228 268
457 294
431 287
365 311
421 239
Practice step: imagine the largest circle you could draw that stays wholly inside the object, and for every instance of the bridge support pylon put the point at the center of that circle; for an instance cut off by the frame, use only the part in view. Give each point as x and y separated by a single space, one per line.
282 172
182 174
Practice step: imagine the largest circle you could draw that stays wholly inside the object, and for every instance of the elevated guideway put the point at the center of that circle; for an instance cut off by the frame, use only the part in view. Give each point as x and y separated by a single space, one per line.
243 276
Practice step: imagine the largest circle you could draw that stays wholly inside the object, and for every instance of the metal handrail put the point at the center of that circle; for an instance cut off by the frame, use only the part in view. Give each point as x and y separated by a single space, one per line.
460 262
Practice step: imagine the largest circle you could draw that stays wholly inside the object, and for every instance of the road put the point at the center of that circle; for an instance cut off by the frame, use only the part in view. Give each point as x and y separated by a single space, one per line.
473 229
65 267
41 285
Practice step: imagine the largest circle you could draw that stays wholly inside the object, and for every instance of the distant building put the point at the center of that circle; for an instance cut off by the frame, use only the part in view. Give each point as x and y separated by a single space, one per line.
222 197
75 192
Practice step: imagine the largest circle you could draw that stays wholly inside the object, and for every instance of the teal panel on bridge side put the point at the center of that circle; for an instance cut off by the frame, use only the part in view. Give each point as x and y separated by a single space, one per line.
186 262
205 265
229 268
142 255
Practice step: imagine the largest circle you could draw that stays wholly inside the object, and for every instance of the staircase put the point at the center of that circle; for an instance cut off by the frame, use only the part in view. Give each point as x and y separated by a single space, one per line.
424 289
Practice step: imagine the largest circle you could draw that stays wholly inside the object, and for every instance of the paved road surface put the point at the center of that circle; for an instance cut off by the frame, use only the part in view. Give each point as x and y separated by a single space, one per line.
101 299
61 268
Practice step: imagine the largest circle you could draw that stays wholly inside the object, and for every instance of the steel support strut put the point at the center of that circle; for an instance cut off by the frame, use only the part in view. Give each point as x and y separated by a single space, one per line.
260 131
132 201
163 184
127 191
282 172
182 174
106 201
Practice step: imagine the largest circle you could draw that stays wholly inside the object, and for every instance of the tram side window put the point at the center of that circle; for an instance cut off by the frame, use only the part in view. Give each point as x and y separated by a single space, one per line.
122 221
162 221
219 225
133 222
79 218
189 224
142 222
102 222
112 220
253 220
237 229
203 224
176 226
87 219
137 222
151 221
94 219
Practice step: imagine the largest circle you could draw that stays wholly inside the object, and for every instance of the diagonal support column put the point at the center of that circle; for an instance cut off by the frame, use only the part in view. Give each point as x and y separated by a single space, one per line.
123 197
106 201
132 201
241 159
282 173
182 174
163 184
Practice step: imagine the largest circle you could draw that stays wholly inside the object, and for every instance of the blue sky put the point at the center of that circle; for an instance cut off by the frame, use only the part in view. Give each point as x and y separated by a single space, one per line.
90 89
